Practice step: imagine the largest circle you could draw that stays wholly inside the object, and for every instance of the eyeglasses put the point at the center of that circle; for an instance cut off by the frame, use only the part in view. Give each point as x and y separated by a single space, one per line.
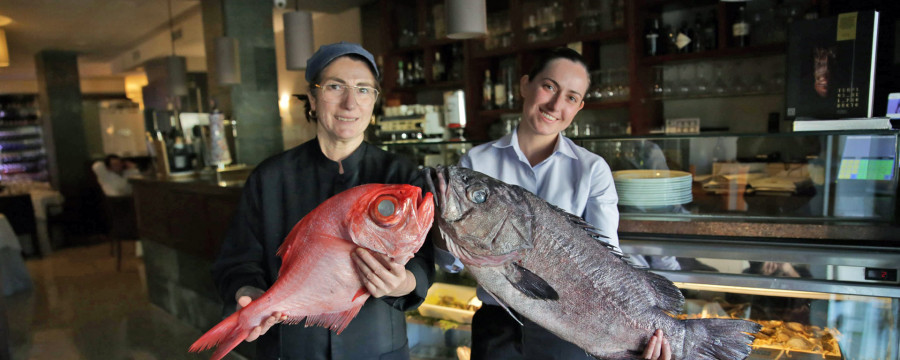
334 93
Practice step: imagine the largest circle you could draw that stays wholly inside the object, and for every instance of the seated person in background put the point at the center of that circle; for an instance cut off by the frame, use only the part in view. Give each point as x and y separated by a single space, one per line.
113 173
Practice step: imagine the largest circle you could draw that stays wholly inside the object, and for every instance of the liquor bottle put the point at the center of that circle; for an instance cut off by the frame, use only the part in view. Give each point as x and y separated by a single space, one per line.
500 90
510 95
401 77
456 67
669 40
410 74
651 38
710 31
487 90
699 43
437 69
741 29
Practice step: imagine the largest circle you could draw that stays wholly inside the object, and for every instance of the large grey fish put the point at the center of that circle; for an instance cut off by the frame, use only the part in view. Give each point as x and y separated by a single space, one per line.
551 267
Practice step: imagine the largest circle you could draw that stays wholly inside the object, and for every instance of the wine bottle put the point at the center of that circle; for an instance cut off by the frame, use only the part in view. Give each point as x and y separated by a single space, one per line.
741 29
651 38
487 90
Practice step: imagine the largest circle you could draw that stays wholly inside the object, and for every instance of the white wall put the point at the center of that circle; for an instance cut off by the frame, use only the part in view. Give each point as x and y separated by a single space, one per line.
190 45
99 85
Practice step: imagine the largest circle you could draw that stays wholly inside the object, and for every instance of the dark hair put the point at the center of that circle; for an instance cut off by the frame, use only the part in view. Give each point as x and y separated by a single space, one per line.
318 78
548 56
109 158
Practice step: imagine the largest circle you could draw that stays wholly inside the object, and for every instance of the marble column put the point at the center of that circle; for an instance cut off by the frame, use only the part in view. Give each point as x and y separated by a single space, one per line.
253 103
60 100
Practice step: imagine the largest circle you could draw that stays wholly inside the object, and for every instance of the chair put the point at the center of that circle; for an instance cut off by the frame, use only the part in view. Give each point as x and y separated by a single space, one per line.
20 213
121 221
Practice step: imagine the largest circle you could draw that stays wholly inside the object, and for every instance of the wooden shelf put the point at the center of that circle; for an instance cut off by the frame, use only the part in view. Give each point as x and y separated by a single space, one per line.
762 50
493 113
604 105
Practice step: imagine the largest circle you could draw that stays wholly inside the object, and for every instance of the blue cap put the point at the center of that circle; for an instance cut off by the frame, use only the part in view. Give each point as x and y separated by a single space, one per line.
326 53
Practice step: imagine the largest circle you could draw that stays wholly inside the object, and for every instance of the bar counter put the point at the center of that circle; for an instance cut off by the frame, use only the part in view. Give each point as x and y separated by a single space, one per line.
183 222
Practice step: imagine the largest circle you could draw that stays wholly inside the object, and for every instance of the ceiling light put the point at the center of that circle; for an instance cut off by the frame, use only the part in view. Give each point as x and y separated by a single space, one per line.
298 39
466 19
228 69
4 50
177 65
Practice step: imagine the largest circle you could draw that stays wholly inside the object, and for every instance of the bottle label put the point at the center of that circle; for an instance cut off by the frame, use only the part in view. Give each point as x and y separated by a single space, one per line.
740 29
682 40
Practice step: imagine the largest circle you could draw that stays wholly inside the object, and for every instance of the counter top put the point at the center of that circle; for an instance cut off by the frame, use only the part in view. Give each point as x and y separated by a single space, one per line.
875 234
841 232
195 184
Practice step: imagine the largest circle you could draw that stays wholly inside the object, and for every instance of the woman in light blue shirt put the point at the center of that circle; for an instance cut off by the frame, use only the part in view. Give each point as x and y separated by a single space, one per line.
536 157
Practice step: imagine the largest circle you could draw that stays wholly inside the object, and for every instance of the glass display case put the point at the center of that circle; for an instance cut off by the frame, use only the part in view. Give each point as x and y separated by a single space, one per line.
814 301
795 177
809 177
828 298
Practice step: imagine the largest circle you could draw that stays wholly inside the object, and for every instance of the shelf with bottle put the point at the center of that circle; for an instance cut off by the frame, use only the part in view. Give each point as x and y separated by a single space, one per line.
688 30
499 84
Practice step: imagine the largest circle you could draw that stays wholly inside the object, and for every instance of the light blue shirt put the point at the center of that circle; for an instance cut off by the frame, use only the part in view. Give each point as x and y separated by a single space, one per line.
572 178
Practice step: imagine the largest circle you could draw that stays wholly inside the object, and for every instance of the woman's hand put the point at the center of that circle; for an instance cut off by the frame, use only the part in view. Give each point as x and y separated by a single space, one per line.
247 294
658 347
381 276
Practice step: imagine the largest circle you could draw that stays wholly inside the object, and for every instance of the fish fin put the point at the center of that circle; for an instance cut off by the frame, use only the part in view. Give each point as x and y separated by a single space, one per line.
337 321
225 336
362 291
719 338
508 311
530 283
668 296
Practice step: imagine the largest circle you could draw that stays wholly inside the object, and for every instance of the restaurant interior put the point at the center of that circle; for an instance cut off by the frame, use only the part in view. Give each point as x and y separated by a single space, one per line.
777 211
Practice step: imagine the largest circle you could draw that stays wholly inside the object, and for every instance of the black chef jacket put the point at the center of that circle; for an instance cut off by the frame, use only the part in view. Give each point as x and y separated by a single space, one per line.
279 192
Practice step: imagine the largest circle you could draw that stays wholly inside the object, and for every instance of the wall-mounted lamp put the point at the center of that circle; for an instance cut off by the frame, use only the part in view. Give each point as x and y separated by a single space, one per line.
466 19
4 50
298 39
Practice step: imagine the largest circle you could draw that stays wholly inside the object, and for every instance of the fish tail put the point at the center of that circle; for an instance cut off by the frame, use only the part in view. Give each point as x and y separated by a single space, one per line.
225 336
719 338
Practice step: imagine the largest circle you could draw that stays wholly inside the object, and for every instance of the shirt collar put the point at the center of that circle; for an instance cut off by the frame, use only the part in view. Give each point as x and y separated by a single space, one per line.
351 164
563 145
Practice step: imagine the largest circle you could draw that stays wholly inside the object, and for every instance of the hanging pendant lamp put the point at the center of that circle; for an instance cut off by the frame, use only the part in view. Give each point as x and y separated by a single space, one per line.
228 69
176 65
298 39
466 19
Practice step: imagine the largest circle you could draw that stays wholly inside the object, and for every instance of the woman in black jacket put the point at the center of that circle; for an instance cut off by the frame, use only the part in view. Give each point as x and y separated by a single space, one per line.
343 87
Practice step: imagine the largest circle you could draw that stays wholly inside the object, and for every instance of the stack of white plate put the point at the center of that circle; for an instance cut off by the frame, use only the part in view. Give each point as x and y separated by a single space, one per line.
650 188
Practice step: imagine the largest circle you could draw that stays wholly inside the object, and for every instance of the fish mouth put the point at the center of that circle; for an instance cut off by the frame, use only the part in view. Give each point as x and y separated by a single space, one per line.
437 175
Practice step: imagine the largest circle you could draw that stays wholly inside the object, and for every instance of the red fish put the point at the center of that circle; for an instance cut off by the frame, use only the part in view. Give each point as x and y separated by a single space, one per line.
318 280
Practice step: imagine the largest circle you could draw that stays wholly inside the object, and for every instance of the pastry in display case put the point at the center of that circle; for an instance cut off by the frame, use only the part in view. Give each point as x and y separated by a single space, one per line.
814 301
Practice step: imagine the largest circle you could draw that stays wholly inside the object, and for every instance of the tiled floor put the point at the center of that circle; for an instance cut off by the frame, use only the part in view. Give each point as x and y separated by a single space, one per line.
82 308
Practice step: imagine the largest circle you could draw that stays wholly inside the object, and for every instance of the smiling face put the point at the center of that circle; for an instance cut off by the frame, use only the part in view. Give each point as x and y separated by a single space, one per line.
346 120
553 97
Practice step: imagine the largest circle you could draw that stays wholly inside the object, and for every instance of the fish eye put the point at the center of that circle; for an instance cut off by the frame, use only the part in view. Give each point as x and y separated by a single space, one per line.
478 195
384 211
385 207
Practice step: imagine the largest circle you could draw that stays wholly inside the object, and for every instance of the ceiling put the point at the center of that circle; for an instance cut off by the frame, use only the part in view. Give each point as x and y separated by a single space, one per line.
99 30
